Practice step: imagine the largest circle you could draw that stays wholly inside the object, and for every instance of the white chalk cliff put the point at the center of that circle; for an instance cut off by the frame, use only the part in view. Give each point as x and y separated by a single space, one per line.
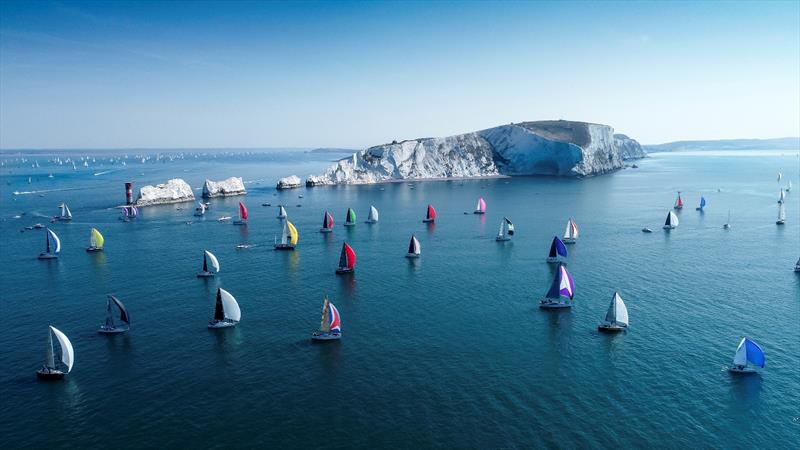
173 191
231 186
289 182
560 148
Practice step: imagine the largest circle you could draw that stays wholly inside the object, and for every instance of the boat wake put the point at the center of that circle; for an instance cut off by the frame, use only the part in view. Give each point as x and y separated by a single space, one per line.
43 191
104 172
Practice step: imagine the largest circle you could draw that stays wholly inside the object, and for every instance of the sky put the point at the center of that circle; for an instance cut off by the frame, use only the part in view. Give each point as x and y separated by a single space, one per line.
150 74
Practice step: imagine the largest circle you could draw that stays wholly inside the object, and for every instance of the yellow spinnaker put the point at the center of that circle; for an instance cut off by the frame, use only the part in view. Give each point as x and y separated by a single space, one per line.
292 232
96 239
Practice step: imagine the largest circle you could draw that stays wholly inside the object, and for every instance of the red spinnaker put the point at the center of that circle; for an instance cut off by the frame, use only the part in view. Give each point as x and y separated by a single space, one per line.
242 211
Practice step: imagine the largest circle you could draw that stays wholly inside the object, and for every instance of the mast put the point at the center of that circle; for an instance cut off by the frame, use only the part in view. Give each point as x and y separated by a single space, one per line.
47 241
324 321
49 358
109 316
205 262
219 311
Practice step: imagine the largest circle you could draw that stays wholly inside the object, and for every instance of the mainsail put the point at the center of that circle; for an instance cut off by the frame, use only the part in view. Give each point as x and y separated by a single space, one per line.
571 231
617 311
350 217
562 285
226 308
679 201
327 221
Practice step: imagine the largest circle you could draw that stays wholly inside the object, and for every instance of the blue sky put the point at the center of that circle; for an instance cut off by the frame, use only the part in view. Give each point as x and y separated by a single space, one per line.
353 74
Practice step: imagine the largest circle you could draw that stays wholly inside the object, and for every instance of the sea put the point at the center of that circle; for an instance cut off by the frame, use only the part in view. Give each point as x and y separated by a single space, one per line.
446 351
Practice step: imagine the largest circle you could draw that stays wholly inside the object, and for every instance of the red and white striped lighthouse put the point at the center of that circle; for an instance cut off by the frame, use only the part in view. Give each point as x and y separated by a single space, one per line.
128 193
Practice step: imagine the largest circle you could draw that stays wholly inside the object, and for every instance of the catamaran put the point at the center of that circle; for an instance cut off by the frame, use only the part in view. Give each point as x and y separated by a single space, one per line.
347 260
226 311
242 215
781 196
747 352
200 211
49 370
430 215
571 232
64 213
373 215
557 248
330 326
52 246
481 208
616 316
671 222
96 241
281 212
562 287
208 257
414 249
506 230
110 327
679 201
781 215
288 237
350 218
727 224
702 204
327 223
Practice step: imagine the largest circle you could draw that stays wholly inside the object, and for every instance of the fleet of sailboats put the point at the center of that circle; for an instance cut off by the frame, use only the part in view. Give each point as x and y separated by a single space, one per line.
50 370
347 260
506 230
557 250
226 311
481 208
616 317
208 260
110 327
430 215
327 223
561 292
96 241
748 356
289 237
414 249
373 215
571 232
330 324
350 218
671 222
128 213
52 245
242 215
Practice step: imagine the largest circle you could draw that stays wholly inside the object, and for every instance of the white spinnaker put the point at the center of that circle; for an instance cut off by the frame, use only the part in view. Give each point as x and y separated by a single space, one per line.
229 306
373 213
213 260
67 353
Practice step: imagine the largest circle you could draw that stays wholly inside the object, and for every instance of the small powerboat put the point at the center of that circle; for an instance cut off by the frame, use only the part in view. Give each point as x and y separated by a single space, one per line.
646 230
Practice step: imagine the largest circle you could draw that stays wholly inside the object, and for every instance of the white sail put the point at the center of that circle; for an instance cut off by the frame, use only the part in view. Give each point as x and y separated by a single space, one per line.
781 212
67 354
229 306
285 233
621 310
567 231
673 219
740 358
281 212
373 214
417 248
213 260
502 232
68 212
781 197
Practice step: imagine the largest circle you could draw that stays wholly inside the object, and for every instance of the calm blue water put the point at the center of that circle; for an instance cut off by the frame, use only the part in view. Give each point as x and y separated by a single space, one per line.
446 351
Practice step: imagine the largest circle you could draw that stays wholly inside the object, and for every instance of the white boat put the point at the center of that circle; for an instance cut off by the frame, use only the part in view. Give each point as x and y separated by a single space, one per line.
50 371
330 325
226 311
96 241
561 292
208 257
200 211
671 222
481 208
281 212
64 213
110 327
646 230
414 249
242 215
727 224
748 352
571 232
781 215
789 186
224 219
288 237
506 230
52 246
373 215
616 316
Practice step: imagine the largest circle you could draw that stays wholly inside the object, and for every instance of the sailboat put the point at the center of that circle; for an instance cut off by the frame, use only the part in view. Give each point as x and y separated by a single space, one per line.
49 370
327 223
781 196
208 257
616 316
671 222
788 185
797 265
506 230
347 260
780 176
226 311
430 215
481 208
200 211
281 212
129 212
747 352
110 327
96 241
288 237
414 249
242 215
350 218
64 213
562 286
679 201
781 215
557 248
373 215
702 204
330 325
727 225
571 232
52 246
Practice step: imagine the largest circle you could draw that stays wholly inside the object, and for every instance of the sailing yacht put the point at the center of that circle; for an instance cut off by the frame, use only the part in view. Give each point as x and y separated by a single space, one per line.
788 185
330 326
616 316
242 215
52 246
727 225
557 248
50 371
781 196
671 222
226 311
350 218
327 223
430 215
571 232
747 352
64 213
414 248
347 260
208 257
679 201
506 230
129 213
288 237
96 241
781 215
481 208
702 204
373 215
200 211
110 327
797 265
562 287
281 212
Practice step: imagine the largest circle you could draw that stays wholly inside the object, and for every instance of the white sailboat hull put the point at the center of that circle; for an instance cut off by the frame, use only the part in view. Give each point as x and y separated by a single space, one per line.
341 271
323 336
553 259
554 304
669 227
221 324
611 327
780 222
47 255
745 369
204 274
349 224
111 330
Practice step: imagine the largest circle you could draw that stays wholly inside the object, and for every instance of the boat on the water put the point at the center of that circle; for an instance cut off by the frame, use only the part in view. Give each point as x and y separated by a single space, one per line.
327 223
110 327
781 196
373 215
330 325
414 249
224 219
242 215
128 213
571 232
226 311
616 316
506 230
788 185
52 246
481 208
288 237
200 211
347 260
350 218
646 230
557 249
51 371
702 204
679 201
671 222
749 355
430 215
64 215
96 241
781 215
208 257
561 292
282 212
727 224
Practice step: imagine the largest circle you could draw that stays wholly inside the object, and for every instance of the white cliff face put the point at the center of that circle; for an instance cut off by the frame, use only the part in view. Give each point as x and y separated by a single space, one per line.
290 182
560 148
173 191
231 186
